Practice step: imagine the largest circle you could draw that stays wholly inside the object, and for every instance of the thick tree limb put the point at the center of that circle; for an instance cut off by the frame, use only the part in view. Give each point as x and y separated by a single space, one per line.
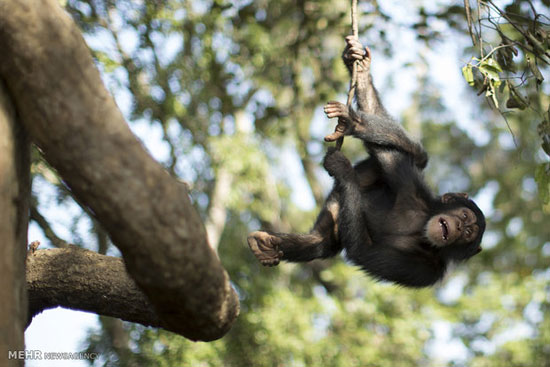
84 280
14 207
69 114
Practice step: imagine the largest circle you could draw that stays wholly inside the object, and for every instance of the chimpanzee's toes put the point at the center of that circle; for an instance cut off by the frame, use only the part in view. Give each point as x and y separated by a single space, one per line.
265 247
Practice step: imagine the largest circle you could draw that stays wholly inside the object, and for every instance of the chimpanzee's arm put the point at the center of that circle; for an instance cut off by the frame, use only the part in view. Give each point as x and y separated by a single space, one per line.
378 131
321 242
366 94
385 132
398 171
373 123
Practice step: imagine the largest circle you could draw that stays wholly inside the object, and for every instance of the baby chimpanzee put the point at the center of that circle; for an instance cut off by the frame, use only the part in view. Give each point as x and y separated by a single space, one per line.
380 210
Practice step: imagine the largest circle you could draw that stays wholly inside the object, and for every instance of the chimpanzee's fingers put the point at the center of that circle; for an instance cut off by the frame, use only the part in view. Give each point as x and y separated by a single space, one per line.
357 53
334 136
334 112
332 105
367 52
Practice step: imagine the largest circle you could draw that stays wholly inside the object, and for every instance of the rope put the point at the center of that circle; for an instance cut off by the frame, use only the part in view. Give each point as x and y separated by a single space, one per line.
353 82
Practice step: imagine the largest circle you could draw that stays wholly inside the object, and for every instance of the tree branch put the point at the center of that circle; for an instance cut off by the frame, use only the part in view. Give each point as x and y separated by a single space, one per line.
217 212
84 280
70 115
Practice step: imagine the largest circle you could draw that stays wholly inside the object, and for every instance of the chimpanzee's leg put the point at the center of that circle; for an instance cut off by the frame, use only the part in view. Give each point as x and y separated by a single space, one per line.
352 219
321 242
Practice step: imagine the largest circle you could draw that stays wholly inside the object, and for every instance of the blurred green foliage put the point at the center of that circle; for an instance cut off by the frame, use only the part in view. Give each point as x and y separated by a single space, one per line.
513 42
237 86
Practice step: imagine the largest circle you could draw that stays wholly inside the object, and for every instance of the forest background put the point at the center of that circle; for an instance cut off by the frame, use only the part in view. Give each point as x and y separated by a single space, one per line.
228 97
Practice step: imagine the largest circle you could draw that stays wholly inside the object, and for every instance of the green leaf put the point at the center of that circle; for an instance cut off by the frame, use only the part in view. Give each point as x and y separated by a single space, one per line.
468 74
514 102
491 91
490 68
535 70
492 63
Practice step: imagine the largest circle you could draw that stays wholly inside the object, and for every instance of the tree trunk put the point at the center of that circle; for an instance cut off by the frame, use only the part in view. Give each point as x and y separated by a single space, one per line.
14 209
72 118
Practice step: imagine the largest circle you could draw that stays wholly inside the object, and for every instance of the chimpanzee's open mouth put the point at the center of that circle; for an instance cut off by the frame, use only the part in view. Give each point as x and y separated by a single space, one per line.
444 228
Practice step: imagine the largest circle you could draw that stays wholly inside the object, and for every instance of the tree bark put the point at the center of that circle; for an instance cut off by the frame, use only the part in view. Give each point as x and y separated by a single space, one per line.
84 280
77 125
14 208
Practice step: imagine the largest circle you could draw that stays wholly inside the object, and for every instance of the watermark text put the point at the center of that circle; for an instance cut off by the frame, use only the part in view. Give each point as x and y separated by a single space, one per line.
40 355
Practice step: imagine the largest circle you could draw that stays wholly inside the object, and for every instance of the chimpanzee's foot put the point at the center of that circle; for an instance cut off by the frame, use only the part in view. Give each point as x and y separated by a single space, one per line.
340 110
265 247
336 164
337 109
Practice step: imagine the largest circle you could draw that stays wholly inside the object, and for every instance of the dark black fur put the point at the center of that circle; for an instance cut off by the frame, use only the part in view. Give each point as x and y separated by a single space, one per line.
378 209
372 228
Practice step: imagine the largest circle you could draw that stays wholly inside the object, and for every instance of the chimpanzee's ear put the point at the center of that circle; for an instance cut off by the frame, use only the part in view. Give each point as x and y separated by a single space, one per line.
448 197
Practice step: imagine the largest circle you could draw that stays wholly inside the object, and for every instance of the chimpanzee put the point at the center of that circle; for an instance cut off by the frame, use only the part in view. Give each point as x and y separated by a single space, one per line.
380 211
